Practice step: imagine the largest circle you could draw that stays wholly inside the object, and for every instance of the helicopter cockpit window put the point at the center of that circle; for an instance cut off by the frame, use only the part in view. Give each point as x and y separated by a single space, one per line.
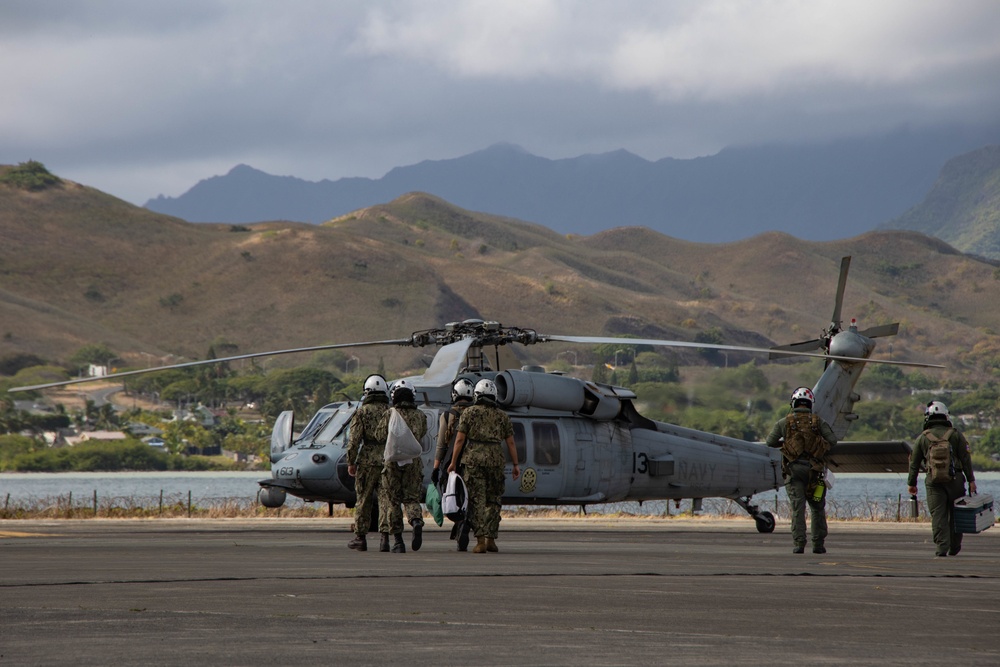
546 438
520 445
316 424
335 429
327 426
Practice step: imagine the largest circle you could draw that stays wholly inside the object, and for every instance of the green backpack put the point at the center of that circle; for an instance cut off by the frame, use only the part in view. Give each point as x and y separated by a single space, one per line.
940 466
802 437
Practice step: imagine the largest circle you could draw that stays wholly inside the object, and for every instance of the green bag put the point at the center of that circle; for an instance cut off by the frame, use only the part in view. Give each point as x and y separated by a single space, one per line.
433 502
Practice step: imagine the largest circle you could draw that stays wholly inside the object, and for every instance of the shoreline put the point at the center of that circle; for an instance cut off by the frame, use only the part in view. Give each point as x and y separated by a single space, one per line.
521 521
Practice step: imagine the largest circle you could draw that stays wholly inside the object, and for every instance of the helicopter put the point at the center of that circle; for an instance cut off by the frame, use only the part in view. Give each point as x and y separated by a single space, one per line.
580 442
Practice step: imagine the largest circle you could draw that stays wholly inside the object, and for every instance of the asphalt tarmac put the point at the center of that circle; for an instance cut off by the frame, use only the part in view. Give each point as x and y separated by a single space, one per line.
566 592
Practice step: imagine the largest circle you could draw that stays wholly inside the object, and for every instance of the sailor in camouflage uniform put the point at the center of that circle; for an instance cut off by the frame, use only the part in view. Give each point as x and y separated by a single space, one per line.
365 455
482 431
461 398
398 481
803 470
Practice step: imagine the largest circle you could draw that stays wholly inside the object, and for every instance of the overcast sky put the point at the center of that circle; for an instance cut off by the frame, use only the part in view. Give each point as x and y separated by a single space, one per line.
147 98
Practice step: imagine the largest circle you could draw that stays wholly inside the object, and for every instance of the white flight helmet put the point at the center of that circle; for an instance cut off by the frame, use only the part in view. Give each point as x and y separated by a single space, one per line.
375 384
463 388
400 386
486 388
936 408
802 394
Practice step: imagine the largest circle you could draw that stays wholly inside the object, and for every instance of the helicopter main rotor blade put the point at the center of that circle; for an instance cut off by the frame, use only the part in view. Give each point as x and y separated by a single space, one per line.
881 330
804 346
447 362
597 340
205 362
845 264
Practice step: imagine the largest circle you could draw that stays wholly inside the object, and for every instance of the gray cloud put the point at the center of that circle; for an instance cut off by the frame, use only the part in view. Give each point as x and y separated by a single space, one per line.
139 99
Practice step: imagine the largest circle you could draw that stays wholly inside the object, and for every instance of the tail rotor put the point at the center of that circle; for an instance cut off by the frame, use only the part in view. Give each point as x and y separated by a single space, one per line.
836 323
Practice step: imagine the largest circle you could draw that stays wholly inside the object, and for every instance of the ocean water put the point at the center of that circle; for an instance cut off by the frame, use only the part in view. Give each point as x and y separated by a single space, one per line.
142 487
874 496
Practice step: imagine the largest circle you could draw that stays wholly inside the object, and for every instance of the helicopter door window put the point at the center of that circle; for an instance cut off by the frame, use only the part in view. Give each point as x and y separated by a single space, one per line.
546 438
520 445
429 439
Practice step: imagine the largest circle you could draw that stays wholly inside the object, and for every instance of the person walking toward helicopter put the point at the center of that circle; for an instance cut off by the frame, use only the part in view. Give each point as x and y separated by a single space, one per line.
804 439
482 430
392 488
461 398
948 466
364 456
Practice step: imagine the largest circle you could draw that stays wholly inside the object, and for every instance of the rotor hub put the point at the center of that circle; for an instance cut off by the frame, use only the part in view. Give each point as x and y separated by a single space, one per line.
484 334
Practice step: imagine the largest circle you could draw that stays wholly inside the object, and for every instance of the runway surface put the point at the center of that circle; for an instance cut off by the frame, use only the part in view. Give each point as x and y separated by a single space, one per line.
566 592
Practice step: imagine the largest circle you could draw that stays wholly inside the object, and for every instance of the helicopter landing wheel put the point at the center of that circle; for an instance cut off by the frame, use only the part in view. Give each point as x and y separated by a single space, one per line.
765 522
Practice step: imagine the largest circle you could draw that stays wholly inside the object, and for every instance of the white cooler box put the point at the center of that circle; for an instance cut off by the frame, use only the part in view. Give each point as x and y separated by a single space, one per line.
974 514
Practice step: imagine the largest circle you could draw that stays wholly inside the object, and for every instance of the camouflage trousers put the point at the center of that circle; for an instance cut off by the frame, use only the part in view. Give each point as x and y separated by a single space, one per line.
485 487
796 484
414 492
941 505
400 485
366 485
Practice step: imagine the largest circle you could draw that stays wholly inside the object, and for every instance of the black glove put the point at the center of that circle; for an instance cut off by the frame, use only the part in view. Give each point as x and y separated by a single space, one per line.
435 475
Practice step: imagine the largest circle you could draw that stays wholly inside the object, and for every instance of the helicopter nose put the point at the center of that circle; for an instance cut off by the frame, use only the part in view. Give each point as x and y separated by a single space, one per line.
324 471
314 474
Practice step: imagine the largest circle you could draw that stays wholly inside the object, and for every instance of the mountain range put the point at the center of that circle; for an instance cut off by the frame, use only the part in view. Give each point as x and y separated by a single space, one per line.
963 206
78 266
816 192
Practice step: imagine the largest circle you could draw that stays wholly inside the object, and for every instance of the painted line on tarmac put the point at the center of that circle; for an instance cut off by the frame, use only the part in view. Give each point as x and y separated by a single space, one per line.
15 533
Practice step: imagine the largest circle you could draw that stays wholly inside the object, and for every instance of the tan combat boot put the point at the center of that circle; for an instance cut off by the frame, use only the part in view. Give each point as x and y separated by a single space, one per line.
480 547
491 545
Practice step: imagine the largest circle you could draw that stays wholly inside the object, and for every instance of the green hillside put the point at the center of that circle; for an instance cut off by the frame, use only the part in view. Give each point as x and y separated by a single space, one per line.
963 207
78 266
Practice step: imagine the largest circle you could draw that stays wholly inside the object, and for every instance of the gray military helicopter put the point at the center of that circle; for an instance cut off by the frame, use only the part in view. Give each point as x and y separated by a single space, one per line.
580 442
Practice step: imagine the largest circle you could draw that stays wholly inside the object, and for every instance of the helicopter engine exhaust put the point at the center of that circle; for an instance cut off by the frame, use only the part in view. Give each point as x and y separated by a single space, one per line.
556 392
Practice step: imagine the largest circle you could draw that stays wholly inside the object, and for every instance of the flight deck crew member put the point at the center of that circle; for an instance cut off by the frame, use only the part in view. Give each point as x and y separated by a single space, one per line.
941 496
804 439
392 487
482 431
461 398
365 455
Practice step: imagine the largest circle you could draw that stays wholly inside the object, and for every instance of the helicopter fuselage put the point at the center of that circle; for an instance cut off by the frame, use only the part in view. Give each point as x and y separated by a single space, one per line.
577 442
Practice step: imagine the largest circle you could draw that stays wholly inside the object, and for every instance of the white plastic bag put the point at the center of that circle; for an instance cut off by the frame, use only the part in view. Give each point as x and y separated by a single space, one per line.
400 446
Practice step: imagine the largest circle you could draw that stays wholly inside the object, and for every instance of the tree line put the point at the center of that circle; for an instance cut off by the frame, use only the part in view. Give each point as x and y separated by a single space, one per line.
739 402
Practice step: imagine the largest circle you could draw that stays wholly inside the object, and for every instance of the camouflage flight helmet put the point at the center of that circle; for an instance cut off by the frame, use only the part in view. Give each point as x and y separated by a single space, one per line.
802 396
486 388
936 408
375 384
462 389
402 392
